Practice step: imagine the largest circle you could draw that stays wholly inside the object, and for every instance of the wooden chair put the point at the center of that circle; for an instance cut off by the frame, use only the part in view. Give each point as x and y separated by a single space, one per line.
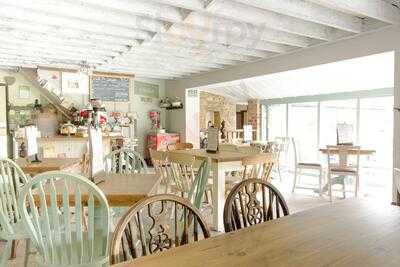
257 166
300 165
160 162
251 202
181 173
179 146
341 167
228 147
282 148
125 161
156 224
12 228
57 229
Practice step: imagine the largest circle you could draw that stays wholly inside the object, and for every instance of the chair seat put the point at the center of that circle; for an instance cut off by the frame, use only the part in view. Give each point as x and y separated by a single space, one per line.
20 232
343 170
309 165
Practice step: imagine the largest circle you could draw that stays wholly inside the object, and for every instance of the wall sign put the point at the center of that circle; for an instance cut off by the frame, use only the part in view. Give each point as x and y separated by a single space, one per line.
147 89
110 88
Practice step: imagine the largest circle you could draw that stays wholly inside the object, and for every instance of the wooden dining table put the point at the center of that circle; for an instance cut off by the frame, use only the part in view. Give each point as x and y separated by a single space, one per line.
347 233
121 190
47 164
222 161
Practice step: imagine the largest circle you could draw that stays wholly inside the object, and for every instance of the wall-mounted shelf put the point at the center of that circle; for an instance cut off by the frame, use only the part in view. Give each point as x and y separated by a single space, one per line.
178 107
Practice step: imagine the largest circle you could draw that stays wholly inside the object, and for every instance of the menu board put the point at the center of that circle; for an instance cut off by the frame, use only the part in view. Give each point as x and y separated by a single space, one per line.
110 88
213 140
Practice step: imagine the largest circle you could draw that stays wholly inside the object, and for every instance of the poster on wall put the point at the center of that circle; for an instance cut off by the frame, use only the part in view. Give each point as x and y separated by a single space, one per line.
147 89
74 83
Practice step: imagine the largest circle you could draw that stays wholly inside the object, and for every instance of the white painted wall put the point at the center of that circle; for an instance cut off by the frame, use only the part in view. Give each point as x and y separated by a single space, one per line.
142 109
14 89
134 105
383 40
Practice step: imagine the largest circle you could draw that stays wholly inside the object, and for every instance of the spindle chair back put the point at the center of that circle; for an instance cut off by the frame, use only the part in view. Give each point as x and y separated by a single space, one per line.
57 222
125 161
156 224
12 228
180 170
160 162
251 202
258 166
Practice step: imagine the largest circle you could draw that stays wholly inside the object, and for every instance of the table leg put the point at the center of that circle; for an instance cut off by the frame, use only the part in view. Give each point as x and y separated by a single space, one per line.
218 197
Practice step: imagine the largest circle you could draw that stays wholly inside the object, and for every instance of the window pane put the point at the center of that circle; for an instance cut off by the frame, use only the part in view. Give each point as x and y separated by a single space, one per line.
334 112
376 132
303 127
276 121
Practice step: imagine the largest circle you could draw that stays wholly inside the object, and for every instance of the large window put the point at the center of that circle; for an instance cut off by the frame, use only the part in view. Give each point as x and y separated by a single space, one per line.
303 127
334 112
313 125
276 121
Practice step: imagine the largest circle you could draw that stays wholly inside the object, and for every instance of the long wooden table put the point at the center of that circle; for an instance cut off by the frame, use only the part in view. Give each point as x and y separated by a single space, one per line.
121 190
348 233
222 162
47 164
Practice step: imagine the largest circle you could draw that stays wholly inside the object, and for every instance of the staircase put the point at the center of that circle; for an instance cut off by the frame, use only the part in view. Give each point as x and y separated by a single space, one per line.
31 75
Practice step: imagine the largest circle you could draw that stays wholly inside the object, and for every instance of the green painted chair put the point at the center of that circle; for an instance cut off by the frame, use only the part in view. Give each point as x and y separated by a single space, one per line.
190 184
12 228
200 186
125 161
61 233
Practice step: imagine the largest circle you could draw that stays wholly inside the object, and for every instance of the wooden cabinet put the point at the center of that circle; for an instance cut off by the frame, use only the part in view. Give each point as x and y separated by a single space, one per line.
160 141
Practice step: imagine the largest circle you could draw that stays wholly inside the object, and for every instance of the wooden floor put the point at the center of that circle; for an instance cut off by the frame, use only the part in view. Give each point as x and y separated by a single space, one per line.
297 202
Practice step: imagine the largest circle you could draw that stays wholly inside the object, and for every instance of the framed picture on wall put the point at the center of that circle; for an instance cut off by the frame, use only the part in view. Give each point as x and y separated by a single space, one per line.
24 92
74 83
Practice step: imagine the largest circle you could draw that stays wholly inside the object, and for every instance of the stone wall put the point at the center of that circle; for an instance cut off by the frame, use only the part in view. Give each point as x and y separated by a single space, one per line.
210 102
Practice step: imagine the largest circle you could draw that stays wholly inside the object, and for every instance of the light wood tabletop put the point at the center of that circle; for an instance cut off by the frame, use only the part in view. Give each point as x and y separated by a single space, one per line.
351 151
222 161
47 164
348 233
220 156
121 190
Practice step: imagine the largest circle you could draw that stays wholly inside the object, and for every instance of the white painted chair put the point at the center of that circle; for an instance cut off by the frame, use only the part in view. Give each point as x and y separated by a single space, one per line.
125 161
300 166
58 229
160 162
341 167
282 149
12 227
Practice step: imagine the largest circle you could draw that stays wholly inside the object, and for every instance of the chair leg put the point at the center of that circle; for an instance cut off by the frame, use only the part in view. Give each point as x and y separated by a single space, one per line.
295 179
357 185
330 187
279 171
14 249
27 251
321 176
344 188
6 253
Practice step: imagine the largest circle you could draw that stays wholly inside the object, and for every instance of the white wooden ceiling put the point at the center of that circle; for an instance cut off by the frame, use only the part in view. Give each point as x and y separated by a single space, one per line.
174 38
364 73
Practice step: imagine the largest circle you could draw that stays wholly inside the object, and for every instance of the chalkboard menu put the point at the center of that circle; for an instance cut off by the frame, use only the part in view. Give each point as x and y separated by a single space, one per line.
110 88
